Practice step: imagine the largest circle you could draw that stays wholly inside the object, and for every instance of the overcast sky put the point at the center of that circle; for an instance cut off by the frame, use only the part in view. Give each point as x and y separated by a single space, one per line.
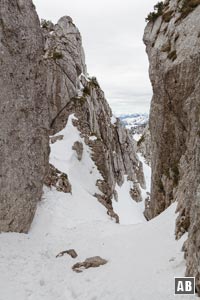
112 32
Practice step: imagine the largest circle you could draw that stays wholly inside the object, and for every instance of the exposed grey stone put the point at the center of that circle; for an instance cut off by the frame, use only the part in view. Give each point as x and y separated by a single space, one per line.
24 115
113 215
58 179
91 262
105 201
115 195
140 176
48 25
56 138
65 61
175 125
135 193
70 252
113 149
144 145
78 147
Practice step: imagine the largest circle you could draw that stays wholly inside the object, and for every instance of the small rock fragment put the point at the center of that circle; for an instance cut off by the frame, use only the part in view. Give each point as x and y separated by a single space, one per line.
78 147
172 259
91 262
58 179
70 252
56 138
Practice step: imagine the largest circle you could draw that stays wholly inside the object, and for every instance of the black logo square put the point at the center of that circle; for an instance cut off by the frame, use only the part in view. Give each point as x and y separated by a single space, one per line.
184 286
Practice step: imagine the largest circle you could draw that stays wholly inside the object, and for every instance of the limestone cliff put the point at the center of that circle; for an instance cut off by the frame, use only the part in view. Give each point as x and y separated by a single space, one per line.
172 39
24 115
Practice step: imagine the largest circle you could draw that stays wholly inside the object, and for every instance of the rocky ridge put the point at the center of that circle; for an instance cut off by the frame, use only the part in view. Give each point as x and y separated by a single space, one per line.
112 146
172 42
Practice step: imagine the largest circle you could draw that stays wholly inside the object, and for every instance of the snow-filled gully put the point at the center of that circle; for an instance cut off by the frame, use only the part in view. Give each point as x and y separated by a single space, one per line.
143 257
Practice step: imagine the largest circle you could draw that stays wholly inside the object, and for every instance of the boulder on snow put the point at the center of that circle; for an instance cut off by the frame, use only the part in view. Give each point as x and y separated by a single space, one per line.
113 215
78 147
56 138
136 194
91 262
70 252
104 200
58 179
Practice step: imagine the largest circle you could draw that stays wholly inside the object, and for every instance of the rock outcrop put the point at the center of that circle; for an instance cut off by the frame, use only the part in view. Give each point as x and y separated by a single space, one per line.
70 90
173 42
144 144
24 115
57 179
65 62
78 147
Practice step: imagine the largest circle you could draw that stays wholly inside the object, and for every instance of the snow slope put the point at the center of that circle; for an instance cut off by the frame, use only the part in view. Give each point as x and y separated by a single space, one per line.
129 211
142 258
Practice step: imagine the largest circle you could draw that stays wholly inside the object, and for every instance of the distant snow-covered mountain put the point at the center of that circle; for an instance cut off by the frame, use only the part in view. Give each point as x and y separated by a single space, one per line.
132 121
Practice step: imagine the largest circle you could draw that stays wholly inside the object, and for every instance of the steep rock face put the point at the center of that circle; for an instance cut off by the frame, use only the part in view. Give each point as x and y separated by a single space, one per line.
144 145
173 45
112 146
24 115
65 61
70 90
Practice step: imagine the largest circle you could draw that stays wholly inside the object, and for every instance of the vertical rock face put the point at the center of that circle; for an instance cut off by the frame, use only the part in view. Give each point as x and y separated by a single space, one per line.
24 115
144 145
65 61
173 43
